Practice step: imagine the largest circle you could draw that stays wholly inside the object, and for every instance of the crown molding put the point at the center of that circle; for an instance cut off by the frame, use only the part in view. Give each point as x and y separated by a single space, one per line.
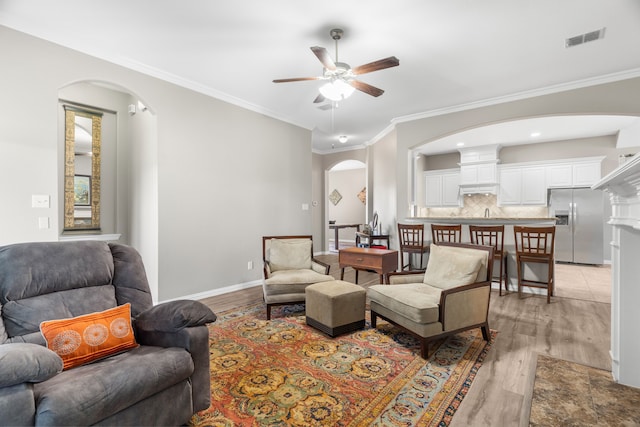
548 90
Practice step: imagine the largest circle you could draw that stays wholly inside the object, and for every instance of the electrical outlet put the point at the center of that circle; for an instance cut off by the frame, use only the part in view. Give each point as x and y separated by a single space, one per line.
250 265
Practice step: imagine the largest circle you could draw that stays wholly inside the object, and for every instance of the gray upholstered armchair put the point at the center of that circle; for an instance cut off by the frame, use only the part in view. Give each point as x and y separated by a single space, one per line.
450 296
163 380
289 267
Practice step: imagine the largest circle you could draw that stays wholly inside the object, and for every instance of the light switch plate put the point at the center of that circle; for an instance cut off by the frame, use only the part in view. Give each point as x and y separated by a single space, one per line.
43 222
39 201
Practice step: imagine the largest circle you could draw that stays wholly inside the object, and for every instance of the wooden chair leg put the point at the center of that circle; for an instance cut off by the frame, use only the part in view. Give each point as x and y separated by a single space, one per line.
485 333
549 283
519 277
506 274
424 348
500 279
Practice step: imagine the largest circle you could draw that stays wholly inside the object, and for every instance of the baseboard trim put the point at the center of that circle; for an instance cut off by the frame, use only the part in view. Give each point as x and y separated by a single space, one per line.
218 291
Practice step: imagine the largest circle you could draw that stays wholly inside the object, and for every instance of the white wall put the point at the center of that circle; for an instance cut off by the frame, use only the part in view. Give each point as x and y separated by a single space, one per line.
225 175
349 210
385 184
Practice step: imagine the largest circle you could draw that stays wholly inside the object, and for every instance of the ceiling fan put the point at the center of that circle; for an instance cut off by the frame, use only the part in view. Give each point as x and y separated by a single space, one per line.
341 78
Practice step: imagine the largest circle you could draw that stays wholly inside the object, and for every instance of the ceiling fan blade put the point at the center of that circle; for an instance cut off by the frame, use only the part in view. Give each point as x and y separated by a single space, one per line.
320 98
366 88
324 57
380 64
296 79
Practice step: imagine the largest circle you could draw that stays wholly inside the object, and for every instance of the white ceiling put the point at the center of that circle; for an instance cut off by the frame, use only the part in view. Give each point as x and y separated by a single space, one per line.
453 54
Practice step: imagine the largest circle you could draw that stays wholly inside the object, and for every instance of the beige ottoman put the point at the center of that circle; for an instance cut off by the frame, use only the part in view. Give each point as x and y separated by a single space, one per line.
335 307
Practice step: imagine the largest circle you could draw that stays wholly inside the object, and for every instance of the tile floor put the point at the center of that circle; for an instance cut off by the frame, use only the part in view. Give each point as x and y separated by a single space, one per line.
584 282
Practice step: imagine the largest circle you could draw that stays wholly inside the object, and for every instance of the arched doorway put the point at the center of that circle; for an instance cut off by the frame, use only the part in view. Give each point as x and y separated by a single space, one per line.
346 204
128 171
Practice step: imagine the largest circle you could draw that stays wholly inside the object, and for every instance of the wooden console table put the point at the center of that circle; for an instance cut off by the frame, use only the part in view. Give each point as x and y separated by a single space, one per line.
382 261
337 227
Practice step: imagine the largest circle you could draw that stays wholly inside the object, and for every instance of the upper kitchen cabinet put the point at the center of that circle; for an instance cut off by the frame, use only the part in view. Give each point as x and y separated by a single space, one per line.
443 188
522 185
478 169
574 173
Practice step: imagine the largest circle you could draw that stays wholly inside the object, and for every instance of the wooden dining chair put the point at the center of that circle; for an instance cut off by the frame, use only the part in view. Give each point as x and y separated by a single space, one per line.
535 245
411 237
493 235
446 233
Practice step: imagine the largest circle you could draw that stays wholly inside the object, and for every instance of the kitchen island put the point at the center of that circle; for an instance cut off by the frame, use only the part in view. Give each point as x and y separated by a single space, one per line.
509 239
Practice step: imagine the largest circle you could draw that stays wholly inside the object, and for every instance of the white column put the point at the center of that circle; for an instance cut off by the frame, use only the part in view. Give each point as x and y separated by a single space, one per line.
623 185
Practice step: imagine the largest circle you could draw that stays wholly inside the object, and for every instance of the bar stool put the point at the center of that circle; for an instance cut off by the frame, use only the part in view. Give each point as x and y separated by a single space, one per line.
493 235
411 237
446 233
535 245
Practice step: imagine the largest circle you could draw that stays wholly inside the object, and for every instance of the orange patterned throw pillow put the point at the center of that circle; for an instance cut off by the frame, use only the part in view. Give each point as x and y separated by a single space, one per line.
90 337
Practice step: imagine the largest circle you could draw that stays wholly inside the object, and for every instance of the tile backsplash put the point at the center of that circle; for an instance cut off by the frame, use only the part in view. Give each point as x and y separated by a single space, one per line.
475 205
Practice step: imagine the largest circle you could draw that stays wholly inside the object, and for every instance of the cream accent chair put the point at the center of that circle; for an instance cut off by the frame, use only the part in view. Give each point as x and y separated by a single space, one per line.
289 267
451 296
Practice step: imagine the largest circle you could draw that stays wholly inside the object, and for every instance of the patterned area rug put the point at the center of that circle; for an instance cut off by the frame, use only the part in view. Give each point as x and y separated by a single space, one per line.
285 373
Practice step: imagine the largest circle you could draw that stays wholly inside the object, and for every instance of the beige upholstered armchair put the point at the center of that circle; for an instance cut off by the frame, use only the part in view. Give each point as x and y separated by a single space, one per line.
451 296
289 267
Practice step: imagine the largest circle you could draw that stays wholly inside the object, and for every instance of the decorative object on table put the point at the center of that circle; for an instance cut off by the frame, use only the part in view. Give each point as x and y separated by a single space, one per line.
335 197
362 195
284 372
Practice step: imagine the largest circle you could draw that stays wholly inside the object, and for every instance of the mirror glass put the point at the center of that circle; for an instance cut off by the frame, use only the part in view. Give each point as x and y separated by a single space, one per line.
83 130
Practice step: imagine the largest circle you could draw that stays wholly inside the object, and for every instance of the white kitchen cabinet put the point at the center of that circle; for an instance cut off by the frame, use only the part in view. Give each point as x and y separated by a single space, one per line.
585 174
510 186
576 173
560 175
442 188
483 173
451 189
534 188
433 187
522 185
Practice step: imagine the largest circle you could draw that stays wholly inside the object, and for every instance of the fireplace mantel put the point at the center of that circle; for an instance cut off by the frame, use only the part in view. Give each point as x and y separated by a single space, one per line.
623 186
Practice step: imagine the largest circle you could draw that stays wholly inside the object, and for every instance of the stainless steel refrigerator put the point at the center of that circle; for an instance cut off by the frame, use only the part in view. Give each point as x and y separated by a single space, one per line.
579 216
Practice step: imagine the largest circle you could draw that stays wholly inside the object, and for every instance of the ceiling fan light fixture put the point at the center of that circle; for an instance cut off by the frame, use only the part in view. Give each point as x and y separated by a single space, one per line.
337 90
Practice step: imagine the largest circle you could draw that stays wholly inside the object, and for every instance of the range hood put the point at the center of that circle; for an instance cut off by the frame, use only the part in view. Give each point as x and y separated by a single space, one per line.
487 188
479 170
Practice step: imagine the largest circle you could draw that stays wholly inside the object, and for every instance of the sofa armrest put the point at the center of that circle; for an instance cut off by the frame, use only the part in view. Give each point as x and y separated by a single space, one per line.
195 340
174 316
404 277
17 405
319 266
465 306
182 324
24 362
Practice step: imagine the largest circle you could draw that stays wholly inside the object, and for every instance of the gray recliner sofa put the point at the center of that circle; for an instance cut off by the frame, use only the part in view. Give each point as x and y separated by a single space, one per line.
163 381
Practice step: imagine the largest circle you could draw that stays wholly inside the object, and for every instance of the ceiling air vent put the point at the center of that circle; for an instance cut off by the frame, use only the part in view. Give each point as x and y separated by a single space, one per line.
584 38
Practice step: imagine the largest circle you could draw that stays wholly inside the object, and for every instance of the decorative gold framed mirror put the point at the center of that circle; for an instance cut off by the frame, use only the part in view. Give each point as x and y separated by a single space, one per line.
83 132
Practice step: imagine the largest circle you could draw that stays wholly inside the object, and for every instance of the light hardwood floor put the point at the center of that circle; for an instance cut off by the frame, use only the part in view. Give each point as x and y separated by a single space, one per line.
575 327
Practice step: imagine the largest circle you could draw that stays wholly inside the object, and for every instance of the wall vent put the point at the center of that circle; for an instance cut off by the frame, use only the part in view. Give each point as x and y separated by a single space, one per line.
585 38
